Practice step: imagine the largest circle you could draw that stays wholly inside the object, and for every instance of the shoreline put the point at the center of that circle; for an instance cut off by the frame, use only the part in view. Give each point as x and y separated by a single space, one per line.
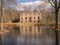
2 32
30 23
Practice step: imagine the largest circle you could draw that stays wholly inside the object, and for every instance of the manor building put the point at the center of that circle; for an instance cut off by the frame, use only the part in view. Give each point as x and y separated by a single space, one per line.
33 16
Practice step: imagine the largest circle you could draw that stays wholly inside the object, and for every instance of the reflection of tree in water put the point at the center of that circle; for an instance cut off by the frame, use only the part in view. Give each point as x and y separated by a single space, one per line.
8 39
59 36
46 37
38 28
48 31
16 29
30 28
0 40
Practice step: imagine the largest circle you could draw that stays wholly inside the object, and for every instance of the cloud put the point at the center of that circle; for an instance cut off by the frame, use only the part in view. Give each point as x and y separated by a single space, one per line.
29 4
33 5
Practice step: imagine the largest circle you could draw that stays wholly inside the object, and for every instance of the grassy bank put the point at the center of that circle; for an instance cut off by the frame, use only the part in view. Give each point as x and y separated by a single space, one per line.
29 23
3 32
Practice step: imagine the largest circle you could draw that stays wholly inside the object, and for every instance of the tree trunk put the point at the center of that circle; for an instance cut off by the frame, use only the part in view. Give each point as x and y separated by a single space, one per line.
56 26
1 14
56 15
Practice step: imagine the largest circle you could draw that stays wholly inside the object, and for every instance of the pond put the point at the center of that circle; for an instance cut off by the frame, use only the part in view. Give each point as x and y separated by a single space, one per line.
28 35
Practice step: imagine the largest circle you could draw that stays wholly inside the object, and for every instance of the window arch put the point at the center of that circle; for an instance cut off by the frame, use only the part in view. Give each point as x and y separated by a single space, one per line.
25 17
30 19
21 18
38 17
34 17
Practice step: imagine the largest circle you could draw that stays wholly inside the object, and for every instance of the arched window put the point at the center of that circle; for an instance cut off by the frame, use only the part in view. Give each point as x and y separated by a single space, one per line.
30 19
21 21
38 17
21 18
34 17
25 17
38 21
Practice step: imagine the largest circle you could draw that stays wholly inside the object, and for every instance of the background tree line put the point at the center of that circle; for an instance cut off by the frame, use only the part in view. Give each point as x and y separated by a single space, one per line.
8 10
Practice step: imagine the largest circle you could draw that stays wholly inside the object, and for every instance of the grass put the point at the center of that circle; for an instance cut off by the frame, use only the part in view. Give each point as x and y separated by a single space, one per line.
30 23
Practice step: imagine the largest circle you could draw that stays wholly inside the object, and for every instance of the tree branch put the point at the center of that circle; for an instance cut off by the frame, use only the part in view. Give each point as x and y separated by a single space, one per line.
59 5
51 3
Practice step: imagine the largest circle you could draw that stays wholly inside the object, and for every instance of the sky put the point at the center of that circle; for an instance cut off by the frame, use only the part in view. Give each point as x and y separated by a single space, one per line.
33 4
24 1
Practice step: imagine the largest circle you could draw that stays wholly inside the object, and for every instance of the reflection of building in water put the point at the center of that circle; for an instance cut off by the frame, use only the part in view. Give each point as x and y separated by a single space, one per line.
33 16
30 30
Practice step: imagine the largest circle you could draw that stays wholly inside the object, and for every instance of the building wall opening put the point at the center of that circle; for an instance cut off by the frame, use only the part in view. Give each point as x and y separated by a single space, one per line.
30 19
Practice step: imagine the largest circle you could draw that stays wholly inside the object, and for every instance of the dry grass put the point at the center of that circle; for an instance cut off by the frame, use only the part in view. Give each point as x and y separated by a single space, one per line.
3 32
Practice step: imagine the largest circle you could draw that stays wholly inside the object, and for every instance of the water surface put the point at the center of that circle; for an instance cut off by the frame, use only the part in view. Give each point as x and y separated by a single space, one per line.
28 35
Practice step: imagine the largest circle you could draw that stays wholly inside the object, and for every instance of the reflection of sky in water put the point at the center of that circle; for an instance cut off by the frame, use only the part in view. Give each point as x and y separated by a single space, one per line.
19 37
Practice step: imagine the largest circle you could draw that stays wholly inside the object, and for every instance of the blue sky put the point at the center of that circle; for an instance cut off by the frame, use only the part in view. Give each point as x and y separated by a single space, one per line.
23 1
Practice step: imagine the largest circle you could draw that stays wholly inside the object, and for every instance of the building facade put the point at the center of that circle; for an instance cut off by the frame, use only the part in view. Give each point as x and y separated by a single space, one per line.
30 16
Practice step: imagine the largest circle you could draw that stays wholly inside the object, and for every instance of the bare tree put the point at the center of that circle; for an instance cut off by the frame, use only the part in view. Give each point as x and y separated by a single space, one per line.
4 4
56 5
